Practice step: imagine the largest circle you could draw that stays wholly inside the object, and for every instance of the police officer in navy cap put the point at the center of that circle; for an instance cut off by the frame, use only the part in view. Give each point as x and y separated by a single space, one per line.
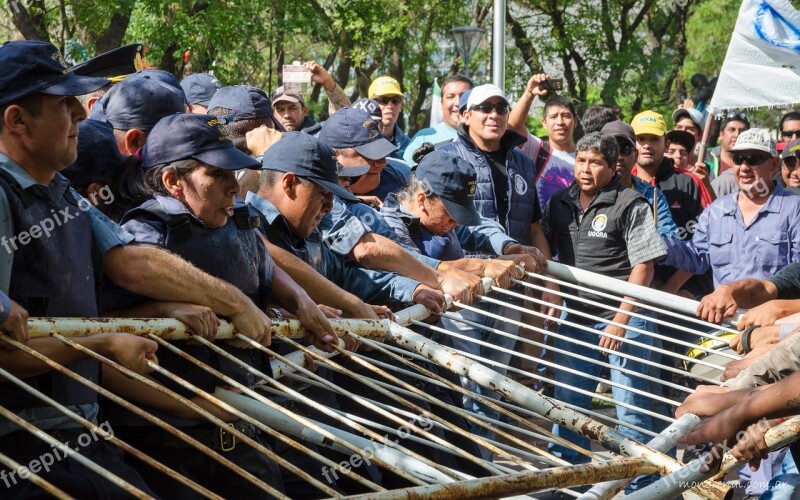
134 106
247 115
96 172
114 65
53 244
199 89
189 168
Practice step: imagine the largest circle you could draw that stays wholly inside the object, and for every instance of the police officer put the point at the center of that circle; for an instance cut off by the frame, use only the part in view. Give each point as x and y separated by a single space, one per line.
49 237
189 166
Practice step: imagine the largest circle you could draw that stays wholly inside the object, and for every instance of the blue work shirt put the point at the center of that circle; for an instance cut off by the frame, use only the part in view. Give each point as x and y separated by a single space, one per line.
106 234
348 222
734 251
665 224
394 177
373 287
410 231
401 140
441 133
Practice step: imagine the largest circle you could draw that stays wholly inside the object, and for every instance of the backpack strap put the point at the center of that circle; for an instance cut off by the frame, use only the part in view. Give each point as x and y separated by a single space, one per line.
542 157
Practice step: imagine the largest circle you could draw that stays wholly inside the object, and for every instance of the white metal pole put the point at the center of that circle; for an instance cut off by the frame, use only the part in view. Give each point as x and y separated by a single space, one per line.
499 44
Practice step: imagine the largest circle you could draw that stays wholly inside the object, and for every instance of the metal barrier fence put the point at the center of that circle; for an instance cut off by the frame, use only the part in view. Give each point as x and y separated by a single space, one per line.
397 424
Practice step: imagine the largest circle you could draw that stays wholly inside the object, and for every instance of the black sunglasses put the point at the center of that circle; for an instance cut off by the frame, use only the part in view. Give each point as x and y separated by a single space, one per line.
625 148
790 133
395 99
790 162
737 116
340 169
752 160
501 108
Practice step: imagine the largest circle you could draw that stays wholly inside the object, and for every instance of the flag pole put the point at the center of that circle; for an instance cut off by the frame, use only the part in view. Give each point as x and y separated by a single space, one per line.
701 155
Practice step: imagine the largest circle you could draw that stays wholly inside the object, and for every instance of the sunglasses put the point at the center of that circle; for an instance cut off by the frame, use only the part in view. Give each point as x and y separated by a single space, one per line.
625 149
349 179
790 133
790 162
395 99
501 108
737 116
752 160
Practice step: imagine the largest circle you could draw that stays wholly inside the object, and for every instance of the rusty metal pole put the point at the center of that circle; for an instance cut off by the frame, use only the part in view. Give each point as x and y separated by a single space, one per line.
551 409
35 478
523 482
663 443
672 484
172 329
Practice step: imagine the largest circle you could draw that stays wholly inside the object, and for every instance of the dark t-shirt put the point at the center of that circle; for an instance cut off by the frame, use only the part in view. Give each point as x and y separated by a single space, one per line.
497 164
787 280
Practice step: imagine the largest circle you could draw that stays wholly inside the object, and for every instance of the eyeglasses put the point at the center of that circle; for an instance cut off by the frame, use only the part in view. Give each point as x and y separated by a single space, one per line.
752 160
790 133
501 108
790 162
384 100
625 149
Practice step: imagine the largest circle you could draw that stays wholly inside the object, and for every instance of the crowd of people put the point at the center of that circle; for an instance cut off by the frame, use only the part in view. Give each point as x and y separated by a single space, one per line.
154 197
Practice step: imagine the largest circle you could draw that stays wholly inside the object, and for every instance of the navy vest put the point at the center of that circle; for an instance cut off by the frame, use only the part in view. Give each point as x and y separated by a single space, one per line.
521 183
51 276
233 253
594 241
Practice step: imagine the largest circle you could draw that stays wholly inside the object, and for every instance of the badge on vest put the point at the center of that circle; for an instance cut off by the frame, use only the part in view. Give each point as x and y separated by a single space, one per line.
598 224
520 185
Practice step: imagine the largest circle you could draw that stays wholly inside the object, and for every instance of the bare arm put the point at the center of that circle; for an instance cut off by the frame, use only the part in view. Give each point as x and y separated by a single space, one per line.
129 350
374 251
727 298
519 115
641 274
160 275
320 289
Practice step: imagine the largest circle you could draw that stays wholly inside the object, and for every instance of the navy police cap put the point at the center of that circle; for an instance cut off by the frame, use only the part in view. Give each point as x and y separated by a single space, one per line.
201 137
354 128
454 181
99 158
306 156
31 67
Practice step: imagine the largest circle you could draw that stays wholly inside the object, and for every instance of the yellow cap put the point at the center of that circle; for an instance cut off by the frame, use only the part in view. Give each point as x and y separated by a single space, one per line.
649 122
385 85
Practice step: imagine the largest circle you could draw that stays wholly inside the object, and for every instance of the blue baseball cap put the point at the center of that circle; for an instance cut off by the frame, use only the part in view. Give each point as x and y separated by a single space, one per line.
354 128
246 102
140 101
454 181
33 67
201 137
200 88
99 158
462 103
308 157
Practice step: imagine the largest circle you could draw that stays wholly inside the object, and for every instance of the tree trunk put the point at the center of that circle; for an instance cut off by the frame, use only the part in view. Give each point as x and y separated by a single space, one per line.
30 23
113 35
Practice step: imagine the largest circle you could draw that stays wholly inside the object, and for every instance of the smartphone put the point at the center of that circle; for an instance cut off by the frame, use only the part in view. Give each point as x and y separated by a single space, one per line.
554 84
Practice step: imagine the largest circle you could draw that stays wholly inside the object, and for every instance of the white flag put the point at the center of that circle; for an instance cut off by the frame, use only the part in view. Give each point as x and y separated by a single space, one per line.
762 66
436 105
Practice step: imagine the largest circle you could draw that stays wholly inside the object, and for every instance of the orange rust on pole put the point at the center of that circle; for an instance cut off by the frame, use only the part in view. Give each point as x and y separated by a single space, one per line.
260 425
35 478
428 414
127 448
130 407
523 482
491 404
360 428
172 329
27 426
154 385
